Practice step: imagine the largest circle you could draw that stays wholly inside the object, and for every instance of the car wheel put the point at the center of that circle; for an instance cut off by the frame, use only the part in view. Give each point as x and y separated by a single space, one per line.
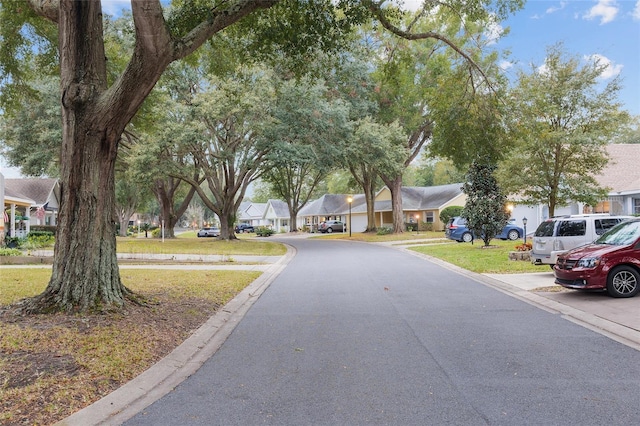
467 237
513 235
329 230
623 281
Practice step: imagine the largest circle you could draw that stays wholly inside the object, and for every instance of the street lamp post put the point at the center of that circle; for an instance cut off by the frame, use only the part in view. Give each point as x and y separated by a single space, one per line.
524 223
350 200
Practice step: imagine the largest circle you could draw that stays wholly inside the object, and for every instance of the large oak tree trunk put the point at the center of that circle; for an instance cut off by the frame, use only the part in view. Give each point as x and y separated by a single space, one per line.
85 268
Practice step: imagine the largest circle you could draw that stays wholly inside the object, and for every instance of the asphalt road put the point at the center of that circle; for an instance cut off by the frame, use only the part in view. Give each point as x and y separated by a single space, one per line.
358 334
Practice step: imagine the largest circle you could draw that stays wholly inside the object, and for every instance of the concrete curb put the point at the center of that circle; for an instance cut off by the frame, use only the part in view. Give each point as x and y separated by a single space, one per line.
186 359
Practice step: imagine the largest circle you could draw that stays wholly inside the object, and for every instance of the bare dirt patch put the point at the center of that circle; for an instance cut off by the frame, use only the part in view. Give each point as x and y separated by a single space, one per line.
54 365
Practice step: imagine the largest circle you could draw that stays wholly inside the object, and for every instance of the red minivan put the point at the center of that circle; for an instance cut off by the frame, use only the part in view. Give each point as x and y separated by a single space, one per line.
611 263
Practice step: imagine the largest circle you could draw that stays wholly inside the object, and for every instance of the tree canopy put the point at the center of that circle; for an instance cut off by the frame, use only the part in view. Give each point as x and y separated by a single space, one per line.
562 119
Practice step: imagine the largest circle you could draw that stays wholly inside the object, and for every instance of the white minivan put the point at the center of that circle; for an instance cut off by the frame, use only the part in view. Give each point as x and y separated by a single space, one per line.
561 233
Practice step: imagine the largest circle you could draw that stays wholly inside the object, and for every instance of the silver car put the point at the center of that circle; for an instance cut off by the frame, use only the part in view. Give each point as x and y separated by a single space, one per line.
331 226
209 232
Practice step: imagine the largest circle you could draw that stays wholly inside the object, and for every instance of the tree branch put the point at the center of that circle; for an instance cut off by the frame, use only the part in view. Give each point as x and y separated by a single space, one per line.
219 19
49 9
376 10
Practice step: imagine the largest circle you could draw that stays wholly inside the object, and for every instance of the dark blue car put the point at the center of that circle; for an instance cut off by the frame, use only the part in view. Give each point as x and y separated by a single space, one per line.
457 230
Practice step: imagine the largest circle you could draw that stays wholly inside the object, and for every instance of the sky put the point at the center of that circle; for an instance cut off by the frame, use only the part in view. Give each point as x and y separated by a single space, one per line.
607 28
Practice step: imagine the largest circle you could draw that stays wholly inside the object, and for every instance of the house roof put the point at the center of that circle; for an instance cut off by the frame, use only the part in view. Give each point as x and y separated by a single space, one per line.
429 197
622 174
418 198
36 189
280 208
330 204
249 210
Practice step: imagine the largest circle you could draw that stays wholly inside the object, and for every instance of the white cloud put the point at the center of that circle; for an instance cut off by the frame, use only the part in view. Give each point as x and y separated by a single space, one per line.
493 31
553 9
543 69
611 70
505 65
606 10
636 12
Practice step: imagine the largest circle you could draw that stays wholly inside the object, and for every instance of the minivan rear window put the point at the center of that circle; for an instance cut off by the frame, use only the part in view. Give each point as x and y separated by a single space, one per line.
545 229
572 228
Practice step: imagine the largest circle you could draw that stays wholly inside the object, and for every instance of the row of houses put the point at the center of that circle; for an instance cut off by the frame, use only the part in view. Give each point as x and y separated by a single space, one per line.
30 202
424 204
421 205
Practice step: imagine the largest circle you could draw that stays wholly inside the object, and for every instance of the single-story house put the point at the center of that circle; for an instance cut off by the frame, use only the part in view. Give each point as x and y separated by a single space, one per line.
28 202
276 216
420 205
332 207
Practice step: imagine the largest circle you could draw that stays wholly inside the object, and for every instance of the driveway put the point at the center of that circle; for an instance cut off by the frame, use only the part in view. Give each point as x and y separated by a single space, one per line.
353 334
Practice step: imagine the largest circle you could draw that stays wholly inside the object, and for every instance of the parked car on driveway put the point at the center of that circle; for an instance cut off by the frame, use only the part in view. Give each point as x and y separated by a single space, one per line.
243 227
611 263
209 232
331 226
457 230
559 234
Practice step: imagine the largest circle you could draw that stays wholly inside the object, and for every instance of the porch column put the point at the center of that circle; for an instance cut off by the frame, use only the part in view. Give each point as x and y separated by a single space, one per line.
12 225
27 212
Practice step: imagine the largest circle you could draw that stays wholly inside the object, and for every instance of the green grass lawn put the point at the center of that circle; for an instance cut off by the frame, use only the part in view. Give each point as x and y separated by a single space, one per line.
190 244
485 260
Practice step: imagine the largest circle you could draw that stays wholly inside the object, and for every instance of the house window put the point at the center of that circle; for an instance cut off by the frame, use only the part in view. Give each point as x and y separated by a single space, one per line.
636 206
429 216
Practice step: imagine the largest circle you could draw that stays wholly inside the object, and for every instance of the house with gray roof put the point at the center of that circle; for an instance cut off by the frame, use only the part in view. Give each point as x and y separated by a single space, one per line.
251 213
622 177
328 207
420 205
276 216
28 202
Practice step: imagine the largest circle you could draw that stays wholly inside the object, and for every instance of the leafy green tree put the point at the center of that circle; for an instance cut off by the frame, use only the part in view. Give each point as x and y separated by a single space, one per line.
230 146
374 148
563 120
629 133
160 153
306 135
485 207
31 135
437 172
